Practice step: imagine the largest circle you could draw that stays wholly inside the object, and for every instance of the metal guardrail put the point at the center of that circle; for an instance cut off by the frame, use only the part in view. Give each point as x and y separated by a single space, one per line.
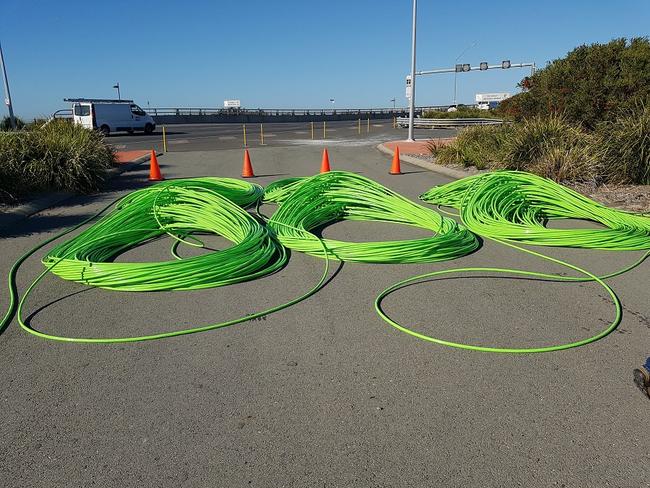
427 123
156 111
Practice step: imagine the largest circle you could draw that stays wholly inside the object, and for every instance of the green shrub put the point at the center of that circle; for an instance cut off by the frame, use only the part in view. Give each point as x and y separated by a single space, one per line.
480 146
591 84
58 156
5 123
552 147
461 113
626 146
548 146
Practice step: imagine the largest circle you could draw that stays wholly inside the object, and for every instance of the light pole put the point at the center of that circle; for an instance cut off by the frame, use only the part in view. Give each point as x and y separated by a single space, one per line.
393 100
412 99
456 72
117 86
12 119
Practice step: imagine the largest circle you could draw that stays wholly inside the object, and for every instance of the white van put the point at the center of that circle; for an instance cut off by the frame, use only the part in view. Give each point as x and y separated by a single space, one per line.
110 115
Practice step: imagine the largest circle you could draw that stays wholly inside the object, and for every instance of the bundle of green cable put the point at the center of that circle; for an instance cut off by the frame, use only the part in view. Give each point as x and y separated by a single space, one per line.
278 191
516 206
178 208
338 195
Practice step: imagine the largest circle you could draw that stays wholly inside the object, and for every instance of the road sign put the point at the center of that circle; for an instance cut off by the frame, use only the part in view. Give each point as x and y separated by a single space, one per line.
409 88
492 97
232 103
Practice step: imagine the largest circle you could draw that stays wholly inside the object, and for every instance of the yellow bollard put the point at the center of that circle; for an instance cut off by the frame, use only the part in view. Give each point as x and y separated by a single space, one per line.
359 126
368 124
244 127
394 123
312 131
262 134
164 140
324 130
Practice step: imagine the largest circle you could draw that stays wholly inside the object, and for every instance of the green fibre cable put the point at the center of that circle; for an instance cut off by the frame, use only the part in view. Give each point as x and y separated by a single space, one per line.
504 206
511 271
163 205
516 206
178 209
337 195
279 190
509 205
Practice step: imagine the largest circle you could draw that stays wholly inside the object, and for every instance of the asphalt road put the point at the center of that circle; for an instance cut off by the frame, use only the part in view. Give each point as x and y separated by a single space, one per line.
209 137
324 393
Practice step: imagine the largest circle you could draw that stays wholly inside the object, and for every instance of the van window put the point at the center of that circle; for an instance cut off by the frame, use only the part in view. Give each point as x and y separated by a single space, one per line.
135 110
81 110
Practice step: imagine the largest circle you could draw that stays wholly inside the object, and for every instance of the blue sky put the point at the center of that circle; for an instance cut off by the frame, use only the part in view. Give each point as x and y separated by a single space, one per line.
286 54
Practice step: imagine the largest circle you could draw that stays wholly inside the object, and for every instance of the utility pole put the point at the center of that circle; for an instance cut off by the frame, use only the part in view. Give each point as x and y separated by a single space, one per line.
117 85
412 99
456 72
7 93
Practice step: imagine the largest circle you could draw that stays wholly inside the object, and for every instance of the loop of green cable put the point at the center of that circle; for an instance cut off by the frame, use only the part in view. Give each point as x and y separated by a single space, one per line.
501 206
178 208
517 206
165 205
330 197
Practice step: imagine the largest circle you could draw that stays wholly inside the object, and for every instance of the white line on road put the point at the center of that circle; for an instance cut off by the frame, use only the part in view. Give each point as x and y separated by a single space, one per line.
227 138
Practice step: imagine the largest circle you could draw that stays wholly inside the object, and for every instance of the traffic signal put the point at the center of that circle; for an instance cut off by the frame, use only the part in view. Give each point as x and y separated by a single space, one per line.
505 64
466 67
459 68
484 66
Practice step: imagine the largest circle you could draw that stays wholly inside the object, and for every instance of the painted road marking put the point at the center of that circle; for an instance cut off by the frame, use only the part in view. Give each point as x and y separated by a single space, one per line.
179 141
301 132
227 138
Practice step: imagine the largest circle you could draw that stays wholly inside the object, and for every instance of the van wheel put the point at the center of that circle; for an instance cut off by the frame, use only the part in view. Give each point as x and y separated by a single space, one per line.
148 128
104 129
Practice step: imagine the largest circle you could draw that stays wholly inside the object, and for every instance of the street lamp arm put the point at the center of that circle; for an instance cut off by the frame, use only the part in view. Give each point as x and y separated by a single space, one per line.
473 68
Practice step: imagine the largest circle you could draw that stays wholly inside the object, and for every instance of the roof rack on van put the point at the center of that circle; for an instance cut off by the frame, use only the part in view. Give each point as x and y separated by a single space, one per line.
96 100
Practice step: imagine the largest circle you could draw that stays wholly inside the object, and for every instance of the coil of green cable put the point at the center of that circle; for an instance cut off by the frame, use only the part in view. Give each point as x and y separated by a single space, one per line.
517 206
279 190
178 208
338 195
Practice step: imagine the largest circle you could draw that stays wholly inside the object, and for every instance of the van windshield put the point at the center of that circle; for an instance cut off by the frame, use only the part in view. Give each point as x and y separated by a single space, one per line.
135 110
81 110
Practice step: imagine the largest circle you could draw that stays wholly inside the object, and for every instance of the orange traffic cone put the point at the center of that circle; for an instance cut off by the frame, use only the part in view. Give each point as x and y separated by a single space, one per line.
395 168
325 164
154 169
247 170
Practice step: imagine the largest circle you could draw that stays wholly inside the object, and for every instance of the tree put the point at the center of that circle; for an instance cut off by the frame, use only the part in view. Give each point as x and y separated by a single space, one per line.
591 84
